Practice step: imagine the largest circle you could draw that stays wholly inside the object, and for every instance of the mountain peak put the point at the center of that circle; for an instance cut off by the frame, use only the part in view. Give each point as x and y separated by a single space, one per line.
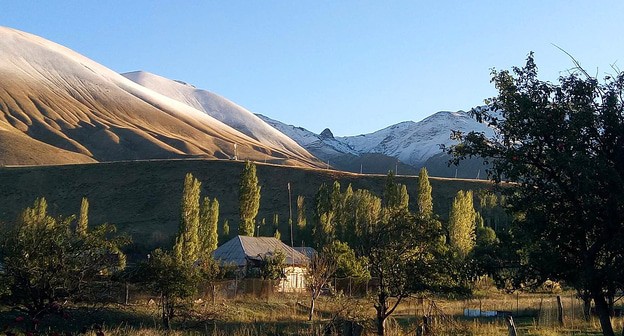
326 134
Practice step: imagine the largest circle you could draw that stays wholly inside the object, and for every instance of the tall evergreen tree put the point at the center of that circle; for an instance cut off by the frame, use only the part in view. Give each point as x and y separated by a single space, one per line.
302 220
187 245
395 194
208 220
83 217
249 200
462 223
425 200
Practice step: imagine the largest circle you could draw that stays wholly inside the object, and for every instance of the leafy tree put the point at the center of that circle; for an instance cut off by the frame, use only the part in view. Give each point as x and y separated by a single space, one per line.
347 264
249 200
462 223
302 221
273 265
563 147
209 219
366 212
395 194
407 255
187 245
321 268
226 229
425 200
83 217
164 275
46 262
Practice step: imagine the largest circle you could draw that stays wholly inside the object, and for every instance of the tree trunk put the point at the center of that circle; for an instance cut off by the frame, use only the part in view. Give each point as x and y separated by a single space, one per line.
311 315
602 309
559 310
381 323
586 307
165 313
511 326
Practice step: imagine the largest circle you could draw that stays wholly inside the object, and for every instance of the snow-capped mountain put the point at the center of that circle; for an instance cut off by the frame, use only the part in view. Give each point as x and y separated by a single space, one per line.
416 142
337 153
219 108
57 106
409 142
324 146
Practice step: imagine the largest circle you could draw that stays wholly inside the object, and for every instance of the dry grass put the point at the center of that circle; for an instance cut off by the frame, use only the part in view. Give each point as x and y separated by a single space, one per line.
287 315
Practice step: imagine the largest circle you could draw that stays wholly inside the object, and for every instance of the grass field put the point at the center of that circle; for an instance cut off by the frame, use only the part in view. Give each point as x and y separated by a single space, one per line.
287 315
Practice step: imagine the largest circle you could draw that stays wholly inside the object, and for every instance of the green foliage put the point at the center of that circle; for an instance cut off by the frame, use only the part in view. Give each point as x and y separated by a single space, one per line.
407 255
83 217
344 216
273 265
395 194
249 200
45 261
174 281
226 229
304 231
462 223
347 264
561 143
208 225
425 199
187 245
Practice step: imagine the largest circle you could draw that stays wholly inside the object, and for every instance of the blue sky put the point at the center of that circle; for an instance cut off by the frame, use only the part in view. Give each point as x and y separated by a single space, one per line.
352 66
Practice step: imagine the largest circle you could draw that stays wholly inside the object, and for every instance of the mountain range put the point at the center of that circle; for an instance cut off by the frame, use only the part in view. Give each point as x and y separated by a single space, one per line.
59 107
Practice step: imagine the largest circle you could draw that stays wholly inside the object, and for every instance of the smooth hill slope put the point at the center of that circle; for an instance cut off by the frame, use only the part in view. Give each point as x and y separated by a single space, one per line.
86 112
219 108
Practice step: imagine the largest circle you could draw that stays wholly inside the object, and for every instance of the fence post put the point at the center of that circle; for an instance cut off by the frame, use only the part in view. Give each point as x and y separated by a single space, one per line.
539 313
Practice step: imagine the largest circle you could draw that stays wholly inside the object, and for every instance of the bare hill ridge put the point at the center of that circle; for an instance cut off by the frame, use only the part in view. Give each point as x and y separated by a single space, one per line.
58 107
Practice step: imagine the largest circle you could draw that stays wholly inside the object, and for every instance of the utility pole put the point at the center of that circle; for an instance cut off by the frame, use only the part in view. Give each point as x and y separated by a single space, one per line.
290 223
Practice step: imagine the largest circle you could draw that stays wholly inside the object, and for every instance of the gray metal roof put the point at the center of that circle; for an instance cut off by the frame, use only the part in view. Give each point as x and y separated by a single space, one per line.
307 251
241 248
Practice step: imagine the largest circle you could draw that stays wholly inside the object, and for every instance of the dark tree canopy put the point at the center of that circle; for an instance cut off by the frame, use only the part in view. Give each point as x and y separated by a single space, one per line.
563 146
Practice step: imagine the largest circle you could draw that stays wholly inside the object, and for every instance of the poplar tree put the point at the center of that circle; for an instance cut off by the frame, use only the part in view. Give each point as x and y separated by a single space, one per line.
395 194
249 200
83 217
301 215
424 198
187 244
462 223
208 218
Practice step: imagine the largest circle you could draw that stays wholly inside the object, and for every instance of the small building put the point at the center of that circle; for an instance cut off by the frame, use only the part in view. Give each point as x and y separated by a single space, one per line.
249 252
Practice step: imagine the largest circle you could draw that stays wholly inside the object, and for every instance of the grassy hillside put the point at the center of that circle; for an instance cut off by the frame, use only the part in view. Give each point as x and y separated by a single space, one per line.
143 197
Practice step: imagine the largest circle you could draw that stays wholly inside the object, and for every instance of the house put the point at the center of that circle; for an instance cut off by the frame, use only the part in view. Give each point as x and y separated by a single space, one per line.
249 252
307 251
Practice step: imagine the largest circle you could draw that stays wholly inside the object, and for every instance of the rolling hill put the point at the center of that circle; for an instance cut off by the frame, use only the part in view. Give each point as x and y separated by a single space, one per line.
59 107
